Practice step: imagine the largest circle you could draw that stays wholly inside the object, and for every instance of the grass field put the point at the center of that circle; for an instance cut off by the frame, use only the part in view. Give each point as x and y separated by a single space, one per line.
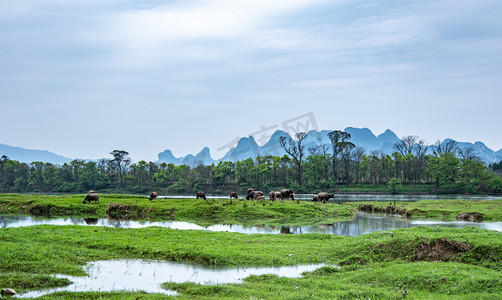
418 263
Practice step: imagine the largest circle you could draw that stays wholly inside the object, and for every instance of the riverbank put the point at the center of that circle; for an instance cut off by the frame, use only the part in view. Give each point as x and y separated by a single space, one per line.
201 212
420 263
480 210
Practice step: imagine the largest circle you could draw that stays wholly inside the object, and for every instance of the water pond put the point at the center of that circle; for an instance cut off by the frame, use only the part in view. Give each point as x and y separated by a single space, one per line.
363 223
148 275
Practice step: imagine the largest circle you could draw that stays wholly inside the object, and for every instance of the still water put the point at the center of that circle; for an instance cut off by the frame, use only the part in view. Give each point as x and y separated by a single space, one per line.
147 275
363 223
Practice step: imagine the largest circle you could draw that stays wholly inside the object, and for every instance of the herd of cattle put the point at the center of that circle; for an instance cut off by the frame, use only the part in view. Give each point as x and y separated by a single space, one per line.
252 194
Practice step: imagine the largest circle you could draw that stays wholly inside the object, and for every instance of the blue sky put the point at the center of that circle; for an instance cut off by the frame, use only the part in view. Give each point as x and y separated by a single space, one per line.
82 78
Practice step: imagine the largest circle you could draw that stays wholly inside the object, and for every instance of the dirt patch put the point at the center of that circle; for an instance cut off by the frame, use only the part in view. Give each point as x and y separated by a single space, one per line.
119 211
470 216
440 250
390 209
38 210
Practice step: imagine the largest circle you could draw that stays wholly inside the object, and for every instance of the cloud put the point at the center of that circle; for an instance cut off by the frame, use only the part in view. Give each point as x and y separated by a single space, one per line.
206 20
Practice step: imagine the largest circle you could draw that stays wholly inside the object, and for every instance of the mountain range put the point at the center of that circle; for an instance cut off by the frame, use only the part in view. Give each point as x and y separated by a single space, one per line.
361 137
247 147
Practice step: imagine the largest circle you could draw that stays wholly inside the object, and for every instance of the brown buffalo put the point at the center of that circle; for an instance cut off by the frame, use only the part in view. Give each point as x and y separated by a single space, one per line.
254 194
287 194
249 194
315 198
272 196
324 197
153 195
233 195
201 195
91 197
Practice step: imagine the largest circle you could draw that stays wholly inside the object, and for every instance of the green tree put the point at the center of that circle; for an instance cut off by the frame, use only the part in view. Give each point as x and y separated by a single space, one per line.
295 149
120 163
339 142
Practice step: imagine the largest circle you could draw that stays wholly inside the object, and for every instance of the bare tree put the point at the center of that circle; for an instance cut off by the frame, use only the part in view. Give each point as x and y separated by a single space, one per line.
467 152
295 149
406 144
318 149
445 146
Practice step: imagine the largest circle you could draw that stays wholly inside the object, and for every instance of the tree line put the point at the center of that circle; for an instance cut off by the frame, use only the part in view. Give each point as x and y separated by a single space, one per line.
443 166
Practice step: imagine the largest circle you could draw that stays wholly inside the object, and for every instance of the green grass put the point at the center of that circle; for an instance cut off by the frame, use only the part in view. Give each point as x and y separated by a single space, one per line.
419 263
29 253
218 211
445 209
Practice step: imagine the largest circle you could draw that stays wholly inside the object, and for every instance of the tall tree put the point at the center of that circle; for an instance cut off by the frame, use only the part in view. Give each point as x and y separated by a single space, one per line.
445 147
406 144
120 162
339 141
295 149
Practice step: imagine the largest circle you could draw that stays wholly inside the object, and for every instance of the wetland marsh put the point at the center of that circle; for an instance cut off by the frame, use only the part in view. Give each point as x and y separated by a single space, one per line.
418 262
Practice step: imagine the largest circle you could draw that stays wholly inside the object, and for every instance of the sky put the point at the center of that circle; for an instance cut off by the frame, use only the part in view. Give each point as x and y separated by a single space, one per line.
83 78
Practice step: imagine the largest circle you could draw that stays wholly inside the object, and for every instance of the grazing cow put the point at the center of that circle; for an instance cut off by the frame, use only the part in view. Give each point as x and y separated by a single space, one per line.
91 197
233 195
249 196
287 194
254 194
324 197
201 195
153 195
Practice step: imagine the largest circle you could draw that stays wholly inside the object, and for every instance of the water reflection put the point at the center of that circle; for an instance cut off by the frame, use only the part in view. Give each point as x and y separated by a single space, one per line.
363 223
147 275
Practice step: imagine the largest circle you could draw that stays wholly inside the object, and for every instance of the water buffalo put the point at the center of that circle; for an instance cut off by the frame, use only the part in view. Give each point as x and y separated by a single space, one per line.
153 195
272 196
254 194
201 195
233 195
287 194
91 197
315 198
324 197
249 196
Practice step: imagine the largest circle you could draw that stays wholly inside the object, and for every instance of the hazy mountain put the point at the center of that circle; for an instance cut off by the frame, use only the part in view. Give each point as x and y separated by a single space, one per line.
361 137
168 157
203 157
248 148
29 155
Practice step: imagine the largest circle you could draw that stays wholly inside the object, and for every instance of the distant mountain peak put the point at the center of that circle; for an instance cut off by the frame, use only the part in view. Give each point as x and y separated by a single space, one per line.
247 147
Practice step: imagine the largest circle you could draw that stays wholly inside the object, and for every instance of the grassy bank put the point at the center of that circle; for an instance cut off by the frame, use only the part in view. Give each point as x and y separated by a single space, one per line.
218 211
422 262
491 210
404 188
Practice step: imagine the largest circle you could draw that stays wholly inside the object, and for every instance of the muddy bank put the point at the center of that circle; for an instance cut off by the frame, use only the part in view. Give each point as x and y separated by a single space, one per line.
392 209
